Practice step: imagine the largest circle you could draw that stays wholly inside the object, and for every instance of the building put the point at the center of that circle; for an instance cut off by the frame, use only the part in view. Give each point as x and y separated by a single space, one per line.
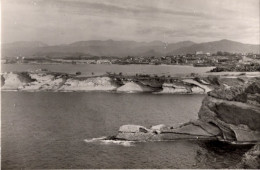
103 62
199 52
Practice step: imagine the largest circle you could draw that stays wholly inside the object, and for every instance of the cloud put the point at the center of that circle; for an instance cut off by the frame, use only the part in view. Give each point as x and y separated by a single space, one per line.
64 21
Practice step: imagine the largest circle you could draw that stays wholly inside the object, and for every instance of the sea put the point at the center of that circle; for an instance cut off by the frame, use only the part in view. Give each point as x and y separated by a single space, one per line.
44 130
98 69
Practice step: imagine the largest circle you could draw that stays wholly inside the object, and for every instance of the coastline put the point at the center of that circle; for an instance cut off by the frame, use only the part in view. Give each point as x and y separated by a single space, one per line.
63 82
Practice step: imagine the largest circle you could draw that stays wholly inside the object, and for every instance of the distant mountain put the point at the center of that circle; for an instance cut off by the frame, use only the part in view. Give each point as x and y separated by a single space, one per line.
21 48
182 44
222 45
56 55
120 48
152 53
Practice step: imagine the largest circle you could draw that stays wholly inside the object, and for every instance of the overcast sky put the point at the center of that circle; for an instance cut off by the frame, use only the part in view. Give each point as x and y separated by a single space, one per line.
66 21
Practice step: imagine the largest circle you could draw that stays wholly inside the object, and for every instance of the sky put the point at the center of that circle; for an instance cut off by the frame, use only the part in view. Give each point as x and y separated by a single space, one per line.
66 21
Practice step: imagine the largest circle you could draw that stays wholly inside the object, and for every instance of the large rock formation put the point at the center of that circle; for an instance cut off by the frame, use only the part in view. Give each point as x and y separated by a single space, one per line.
230 114
48 81
134 87
174 88
89 84
235 111
15 81
251 159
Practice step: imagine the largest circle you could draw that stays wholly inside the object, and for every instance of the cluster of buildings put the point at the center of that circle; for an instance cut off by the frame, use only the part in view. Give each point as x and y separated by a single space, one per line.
197 59
24 60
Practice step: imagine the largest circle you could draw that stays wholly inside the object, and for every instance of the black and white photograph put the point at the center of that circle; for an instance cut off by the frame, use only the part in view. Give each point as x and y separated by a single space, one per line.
130 84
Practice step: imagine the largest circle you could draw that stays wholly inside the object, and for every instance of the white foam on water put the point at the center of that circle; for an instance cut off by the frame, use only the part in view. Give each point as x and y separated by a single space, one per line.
95 139
119 142
104 141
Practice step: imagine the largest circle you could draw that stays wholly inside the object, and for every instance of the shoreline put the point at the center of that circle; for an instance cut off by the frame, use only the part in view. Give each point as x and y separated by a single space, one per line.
143 83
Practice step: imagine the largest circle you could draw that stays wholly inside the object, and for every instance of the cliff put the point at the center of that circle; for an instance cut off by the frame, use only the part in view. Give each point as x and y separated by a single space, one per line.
230 114
235 111
89 84
50 81
47 81
15 81
134 87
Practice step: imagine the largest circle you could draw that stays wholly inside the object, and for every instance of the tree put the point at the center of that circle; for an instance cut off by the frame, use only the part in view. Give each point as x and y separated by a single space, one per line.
220 53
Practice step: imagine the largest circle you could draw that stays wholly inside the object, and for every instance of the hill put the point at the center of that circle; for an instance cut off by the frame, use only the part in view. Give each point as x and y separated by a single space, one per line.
222 45
120 48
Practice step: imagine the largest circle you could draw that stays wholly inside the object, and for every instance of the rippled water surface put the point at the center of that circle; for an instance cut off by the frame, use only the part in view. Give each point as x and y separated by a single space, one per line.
52 130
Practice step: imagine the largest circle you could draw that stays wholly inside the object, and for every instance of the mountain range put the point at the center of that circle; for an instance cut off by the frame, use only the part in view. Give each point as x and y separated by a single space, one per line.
121 48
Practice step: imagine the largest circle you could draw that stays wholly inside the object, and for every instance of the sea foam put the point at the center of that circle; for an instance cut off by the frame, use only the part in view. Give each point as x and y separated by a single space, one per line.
104 141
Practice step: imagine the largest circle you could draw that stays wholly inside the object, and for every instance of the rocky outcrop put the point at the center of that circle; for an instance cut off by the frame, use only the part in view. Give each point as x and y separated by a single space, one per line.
226 114
42 80
171 88
47 81
235 111
186 86
251 159
134 87
197 84
192 130
15 81
89 84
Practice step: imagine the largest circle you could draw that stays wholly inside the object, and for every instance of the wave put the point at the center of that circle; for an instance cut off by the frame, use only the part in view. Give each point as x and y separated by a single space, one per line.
104 141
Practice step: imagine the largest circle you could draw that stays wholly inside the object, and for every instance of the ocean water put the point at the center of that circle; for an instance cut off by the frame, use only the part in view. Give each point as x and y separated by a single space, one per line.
97 69
62 130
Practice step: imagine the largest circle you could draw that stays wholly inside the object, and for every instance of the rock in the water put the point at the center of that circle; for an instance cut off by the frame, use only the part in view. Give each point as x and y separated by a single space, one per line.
229 114
159 127
189 130
138 136
132 129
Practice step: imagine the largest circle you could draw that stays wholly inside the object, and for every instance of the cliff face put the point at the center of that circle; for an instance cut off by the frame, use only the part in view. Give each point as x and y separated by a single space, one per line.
44 81
98 83
229 113
48 81
134 87
15 81
235 111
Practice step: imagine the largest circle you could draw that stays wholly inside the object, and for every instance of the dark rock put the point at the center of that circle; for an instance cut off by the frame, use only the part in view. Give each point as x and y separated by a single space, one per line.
251 159
235 111
246 93
226 114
